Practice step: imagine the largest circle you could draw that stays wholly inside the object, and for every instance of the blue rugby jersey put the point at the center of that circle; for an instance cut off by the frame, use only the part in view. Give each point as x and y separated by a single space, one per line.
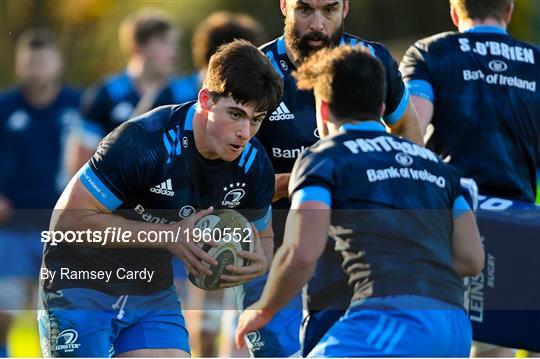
109 104
486 119
149 170
32 147
393 204
292 127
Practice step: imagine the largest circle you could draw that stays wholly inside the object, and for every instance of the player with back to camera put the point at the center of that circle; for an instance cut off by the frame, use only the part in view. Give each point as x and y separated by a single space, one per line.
405 239
35 119
201 152
311 25
467 90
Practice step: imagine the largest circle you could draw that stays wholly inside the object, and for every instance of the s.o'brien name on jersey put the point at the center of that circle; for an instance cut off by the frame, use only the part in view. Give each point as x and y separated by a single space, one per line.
508 52
494 48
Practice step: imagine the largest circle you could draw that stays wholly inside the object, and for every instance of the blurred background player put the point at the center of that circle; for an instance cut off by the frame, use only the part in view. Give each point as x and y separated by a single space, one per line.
150 39
311 25
480 83
403 255
35 120
217 29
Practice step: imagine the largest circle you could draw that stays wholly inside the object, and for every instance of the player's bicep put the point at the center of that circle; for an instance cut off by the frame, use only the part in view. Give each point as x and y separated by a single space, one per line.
76 203
424 109
308 222
467 247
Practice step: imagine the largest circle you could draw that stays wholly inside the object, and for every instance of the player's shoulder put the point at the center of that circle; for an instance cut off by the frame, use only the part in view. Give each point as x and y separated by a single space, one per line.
72 95
9 95
184 88
163 118
270 46
439 41
115 86
254 158
10 101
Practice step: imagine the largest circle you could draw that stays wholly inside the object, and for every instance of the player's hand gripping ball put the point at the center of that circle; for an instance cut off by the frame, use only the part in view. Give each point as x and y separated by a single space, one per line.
233 233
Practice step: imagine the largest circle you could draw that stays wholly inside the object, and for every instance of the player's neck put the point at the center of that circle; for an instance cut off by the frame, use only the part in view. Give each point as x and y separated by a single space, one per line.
467 24
43 95
199 130
143 79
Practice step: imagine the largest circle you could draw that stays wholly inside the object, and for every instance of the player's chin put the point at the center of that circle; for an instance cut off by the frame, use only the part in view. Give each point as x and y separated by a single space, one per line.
231 152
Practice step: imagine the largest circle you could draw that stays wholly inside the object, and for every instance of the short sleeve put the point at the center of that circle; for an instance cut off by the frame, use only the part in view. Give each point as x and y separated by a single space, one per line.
397 96
416 71
124 162
312 178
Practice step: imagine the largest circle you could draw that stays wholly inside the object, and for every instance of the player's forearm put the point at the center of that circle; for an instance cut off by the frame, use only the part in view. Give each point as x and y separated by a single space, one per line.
408 126
288 274
267 244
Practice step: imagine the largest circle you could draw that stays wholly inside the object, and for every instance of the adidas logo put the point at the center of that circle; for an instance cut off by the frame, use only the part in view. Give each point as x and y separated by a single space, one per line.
281 113
165 188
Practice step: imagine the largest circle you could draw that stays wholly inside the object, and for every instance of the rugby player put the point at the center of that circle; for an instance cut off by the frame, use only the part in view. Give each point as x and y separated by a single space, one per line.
405 238
35 119
480 83
311 25
217 29
150 40
146 175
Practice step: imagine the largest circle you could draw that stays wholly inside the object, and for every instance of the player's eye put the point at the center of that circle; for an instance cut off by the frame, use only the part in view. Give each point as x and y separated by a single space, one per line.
330 10
304 10
257 120
236 115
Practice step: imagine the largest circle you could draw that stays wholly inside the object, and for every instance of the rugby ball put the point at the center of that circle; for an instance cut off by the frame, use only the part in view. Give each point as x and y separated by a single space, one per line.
233 233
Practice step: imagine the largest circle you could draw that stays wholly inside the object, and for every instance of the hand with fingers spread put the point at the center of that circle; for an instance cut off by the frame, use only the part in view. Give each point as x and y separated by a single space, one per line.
188 250
250 320
258 263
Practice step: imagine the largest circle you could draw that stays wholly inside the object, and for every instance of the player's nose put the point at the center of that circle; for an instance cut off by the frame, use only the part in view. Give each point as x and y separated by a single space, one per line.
317 22
243 130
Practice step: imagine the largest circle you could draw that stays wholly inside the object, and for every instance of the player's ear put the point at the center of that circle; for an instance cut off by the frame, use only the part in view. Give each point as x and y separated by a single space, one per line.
324 111
345 8
283 7
205 99
454 16
509 13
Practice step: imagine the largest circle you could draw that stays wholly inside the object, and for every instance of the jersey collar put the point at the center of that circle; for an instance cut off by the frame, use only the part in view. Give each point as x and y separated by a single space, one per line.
373 126
487 29
188 124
